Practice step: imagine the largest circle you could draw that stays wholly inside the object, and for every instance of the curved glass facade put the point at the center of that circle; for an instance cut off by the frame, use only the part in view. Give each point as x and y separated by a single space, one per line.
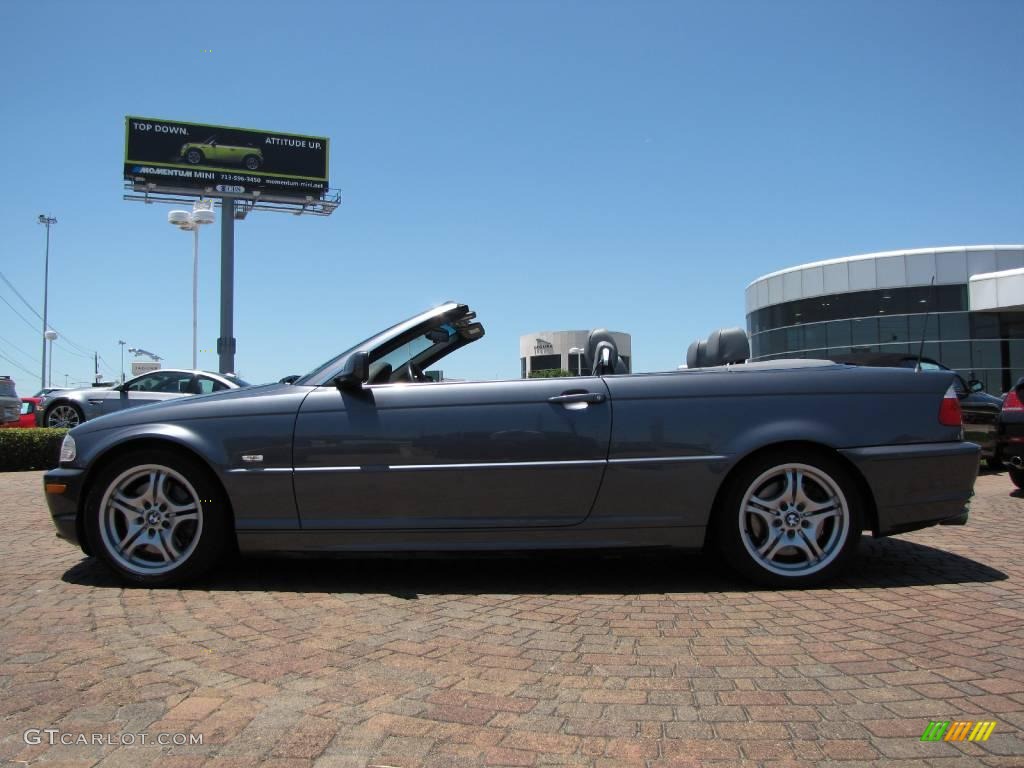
981 345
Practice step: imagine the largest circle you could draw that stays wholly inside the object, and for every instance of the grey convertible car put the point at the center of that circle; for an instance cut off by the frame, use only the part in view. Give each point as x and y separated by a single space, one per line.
70 407
779 466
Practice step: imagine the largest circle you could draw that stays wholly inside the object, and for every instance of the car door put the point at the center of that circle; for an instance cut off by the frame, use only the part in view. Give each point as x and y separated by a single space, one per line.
525 453
149 388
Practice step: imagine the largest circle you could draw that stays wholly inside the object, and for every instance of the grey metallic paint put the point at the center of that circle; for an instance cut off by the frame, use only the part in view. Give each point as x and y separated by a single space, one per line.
479 465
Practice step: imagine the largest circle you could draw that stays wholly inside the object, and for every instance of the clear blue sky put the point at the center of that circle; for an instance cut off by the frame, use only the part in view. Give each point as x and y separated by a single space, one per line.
555 165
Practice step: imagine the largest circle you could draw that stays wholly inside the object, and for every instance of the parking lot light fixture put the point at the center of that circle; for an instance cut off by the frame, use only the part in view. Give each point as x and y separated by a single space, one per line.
46 221
50 336
578 351
191 221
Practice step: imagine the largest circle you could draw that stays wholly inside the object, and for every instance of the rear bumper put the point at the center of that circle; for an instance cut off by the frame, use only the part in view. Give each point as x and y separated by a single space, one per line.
915 486
64 505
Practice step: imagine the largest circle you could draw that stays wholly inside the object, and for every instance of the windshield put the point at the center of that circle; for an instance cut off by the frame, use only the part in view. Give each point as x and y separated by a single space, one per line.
325 372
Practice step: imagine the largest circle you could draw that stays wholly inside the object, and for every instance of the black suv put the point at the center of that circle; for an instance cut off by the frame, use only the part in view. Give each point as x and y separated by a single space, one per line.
10 403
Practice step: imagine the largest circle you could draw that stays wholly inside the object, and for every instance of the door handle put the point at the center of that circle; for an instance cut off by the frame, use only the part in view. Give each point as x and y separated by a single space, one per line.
577 397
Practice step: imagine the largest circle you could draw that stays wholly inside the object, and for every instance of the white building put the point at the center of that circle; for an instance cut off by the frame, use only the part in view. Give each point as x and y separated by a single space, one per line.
546 350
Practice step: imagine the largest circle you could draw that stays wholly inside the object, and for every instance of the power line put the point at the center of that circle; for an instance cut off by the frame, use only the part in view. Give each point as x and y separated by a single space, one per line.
26 370
16 293
21 316
11 344
34 312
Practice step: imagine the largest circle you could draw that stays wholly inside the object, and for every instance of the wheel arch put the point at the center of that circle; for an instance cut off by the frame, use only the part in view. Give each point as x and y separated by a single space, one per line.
870 509
143 443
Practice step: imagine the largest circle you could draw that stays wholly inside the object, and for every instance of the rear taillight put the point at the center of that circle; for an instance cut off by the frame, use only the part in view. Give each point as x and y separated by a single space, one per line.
949 411
1012 402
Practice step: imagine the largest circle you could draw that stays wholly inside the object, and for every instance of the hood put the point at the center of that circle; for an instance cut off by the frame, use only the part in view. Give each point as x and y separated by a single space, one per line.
246 401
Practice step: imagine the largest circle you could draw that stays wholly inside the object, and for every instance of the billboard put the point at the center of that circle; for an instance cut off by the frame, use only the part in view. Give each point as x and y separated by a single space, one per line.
171 153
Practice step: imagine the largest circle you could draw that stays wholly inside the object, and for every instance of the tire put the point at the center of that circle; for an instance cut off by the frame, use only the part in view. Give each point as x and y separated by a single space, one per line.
252 162
64 415
766 532
194 157
1017 477
157 518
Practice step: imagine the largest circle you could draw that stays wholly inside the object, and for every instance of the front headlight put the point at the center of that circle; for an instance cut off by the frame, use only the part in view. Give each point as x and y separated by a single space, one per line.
68 450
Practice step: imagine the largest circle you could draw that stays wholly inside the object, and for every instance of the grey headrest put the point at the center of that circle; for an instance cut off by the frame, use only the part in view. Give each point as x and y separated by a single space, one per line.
728 345
603 354
696 354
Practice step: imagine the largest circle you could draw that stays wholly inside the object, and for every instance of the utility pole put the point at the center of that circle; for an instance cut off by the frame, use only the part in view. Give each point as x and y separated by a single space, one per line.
46 221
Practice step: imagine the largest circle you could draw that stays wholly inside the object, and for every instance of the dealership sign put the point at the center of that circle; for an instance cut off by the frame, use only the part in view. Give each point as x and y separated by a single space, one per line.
216 158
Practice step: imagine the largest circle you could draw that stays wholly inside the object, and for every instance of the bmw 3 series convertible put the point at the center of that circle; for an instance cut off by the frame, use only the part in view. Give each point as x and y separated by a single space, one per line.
779 466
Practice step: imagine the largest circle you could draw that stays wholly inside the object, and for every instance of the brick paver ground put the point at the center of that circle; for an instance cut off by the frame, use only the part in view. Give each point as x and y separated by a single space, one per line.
612 661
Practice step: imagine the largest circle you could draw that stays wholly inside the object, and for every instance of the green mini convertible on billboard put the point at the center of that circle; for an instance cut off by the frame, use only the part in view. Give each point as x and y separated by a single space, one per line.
173 155
210 151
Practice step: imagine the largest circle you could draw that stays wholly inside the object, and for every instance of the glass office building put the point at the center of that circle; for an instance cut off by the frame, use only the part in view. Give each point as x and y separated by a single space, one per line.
972 318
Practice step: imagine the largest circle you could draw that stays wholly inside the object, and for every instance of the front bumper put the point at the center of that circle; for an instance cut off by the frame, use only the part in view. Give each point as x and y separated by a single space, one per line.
64 504
915 486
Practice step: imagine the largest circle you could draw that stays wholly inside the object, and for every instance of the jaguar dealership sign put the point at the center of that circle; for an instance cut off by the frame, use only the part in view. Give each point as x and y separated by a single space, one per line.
216 158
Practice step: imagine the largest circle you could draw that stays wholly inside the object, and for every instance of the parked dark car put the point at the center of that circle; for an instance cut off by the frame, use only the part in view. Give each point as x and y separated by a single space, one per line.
1011 432
980 409
779 466
10 403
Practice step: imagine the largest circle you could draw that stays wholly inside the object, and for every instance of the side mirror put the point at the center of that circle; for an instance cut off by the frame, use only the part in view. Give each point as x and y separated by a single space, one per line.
355 373
289 379
975 386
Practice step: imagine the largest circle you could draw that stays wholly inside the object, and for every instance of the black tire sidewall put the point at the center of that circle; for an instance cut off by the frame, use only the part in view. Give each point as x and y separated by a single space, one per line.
1017 477
213 539
728 535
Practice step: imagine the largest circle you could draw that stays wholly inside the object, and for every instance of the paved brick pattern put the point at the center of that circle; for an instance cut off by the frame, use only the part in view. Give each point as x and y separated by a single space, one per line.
629 661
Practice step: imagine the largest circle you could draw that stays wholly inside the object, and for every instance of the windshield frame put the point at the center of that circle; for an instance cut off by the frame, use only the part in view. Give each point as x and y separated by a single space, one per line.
327 372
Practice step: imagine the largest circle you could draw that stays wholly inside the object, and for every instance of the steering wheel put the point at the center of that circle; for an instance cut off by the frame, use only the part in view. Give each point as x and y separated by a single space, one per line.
413 372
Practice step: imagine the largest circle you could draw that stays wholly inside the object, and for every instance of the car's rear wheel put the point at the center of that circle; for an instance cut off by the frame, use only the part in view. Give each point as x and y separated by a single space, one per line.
1017 477
791 519
252 162
63 416
194 156
157 518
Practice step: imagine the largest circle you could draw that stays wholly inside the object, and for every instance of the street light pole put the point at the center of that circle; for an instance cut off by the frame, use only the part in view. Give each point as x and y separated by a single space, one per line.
50 336
202 213
578 351
195 293
122 343
46 221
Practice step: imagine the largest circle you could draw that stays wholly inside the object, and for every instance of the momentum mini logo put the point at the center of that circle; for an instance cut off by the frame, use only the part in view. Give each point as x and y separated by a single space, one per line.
958 730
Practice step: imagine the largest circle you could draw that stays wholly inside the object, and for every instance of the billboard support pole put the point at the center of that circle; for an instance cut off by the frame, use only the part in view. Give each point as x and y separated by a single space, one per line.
226 342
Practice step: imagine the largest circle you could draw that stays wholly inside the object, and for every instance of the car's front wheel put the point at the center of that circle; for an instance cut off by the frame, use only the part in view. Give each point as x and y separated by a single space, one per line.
63 416
252 162
194 156
157 518
791 519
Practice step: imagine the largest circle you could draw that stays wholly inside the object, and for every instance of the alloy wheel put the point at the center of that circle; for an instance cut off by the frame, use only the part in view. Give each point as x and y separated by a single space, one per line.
794 519
63 416
151 519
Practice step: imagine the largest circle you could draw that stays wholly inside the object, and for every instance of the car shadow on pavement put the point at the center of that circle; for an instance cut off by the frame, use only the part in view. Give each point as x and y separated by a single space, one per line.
889 562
